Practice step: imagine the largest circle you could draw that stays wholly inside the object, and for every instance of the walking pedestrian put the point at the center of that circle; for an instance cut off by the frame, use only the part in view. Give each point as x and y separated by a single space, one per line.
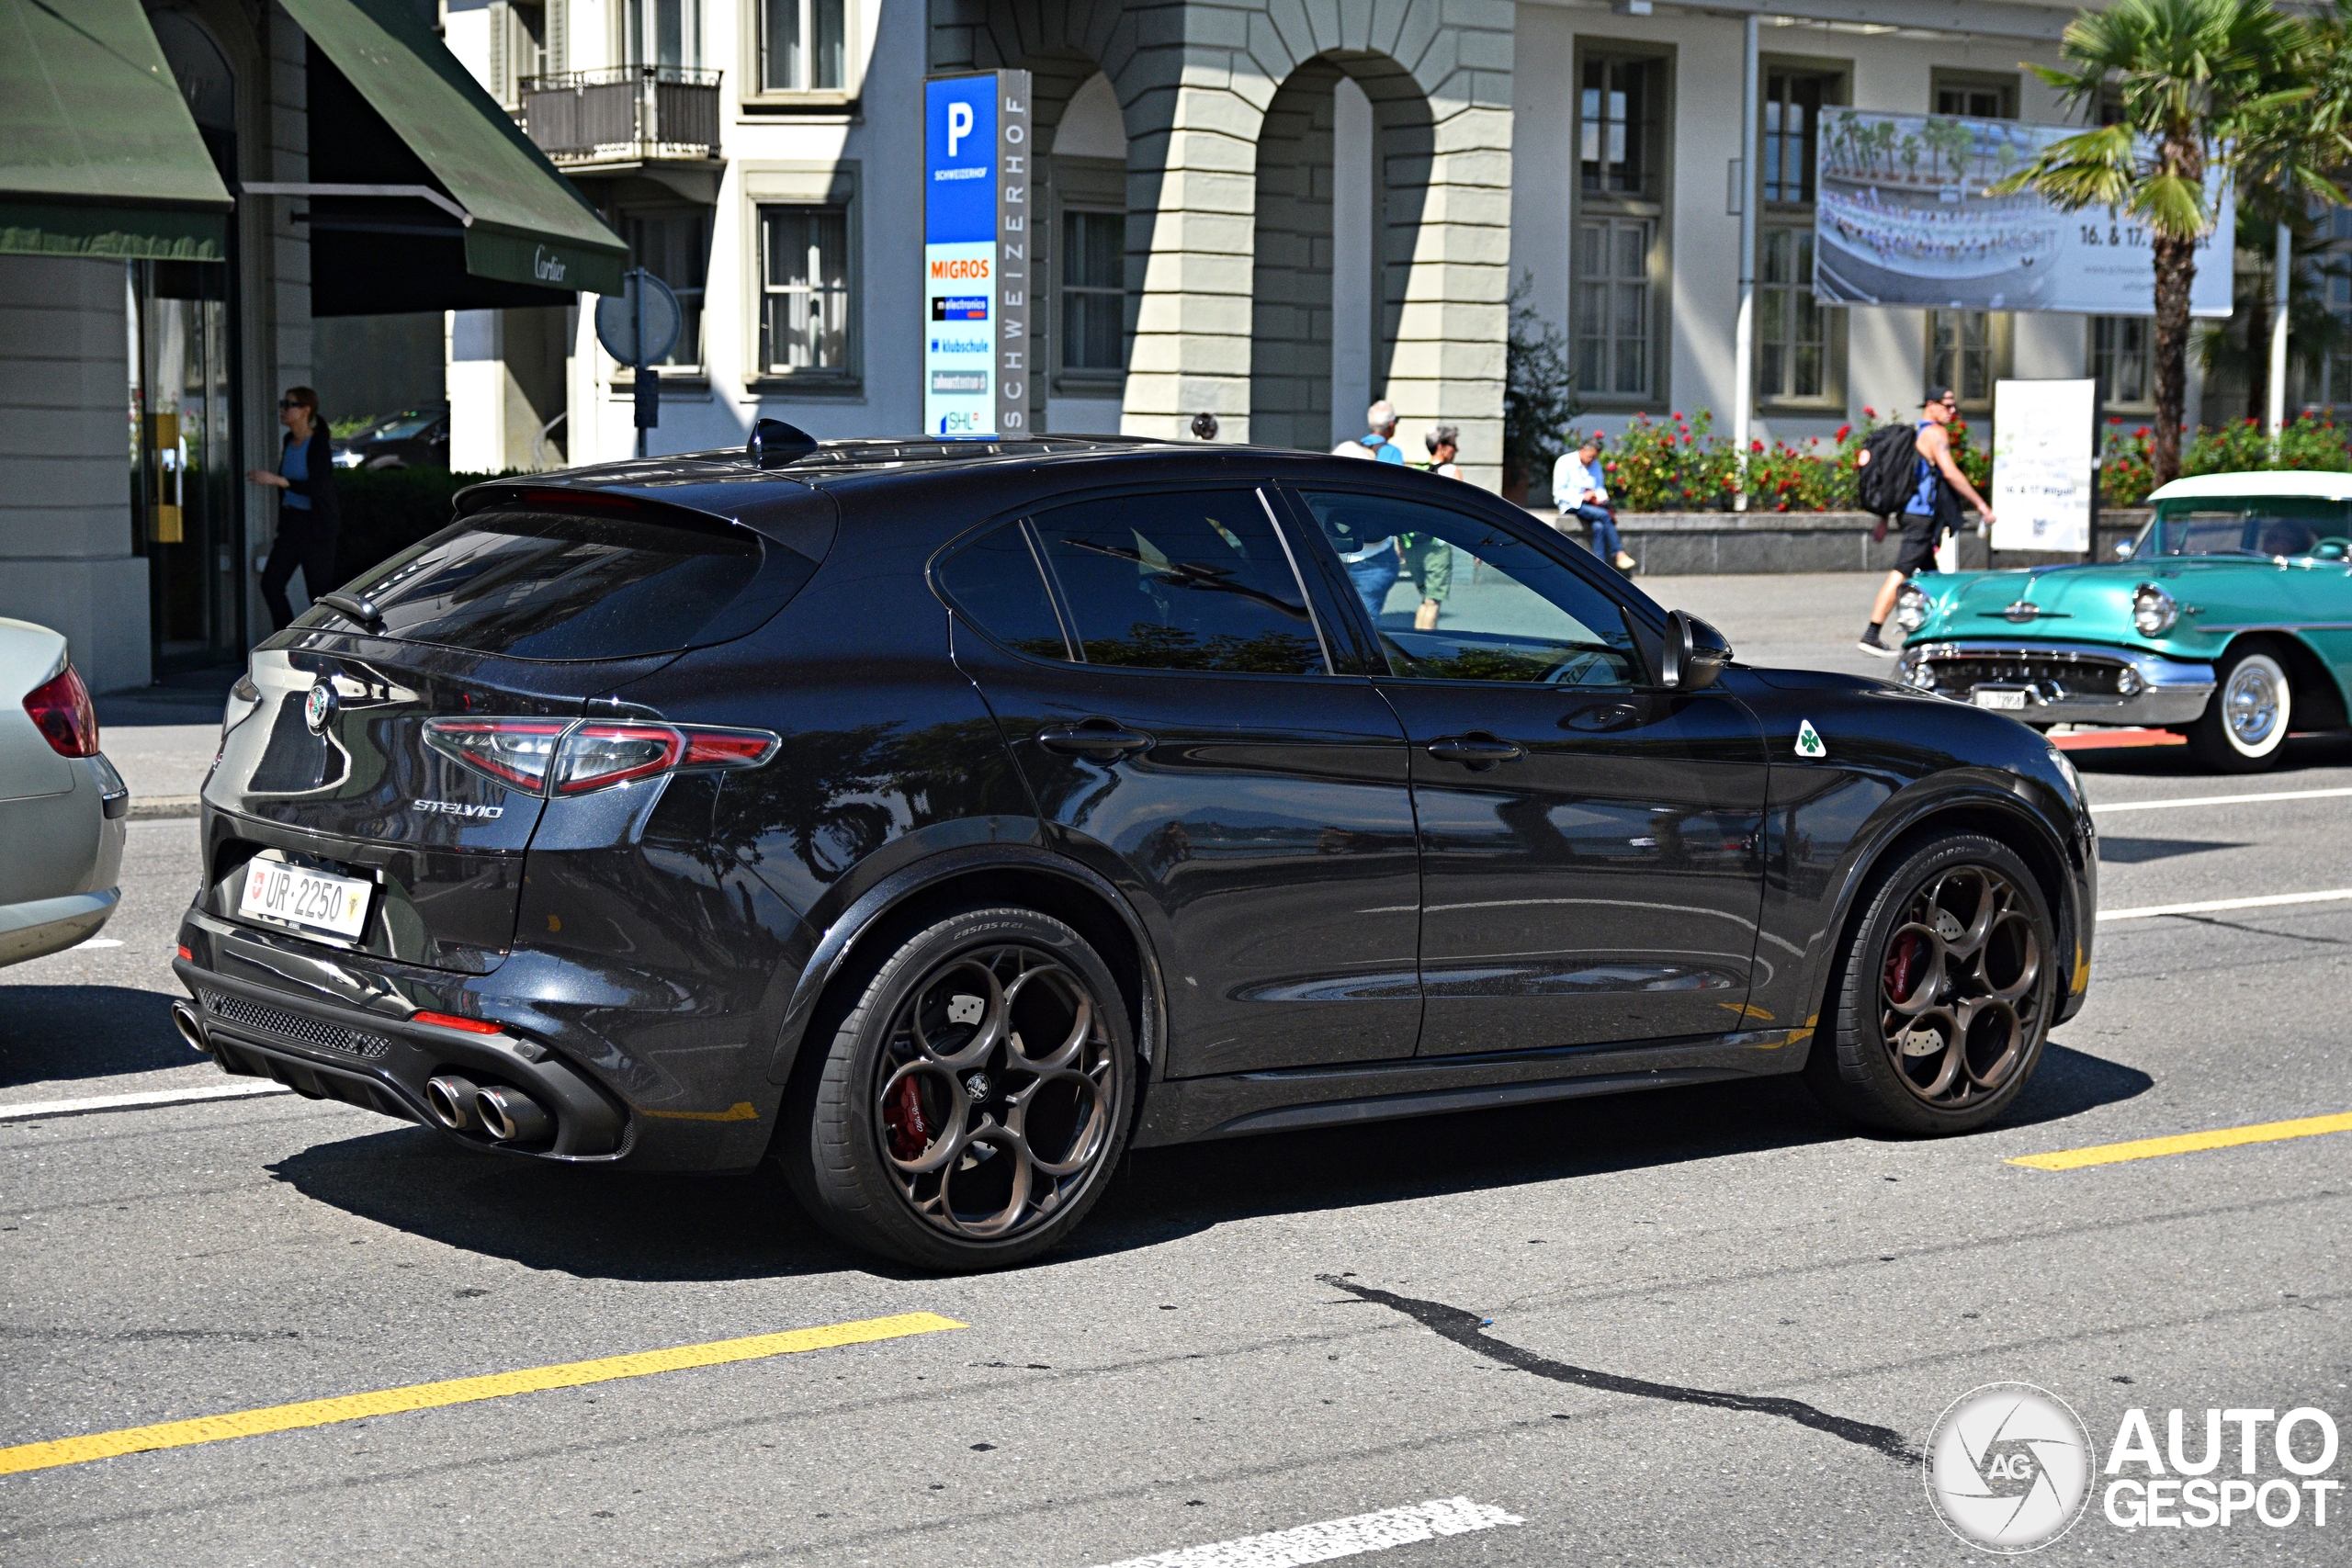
1376 442
1932 509
1579 489
1429 558
308 520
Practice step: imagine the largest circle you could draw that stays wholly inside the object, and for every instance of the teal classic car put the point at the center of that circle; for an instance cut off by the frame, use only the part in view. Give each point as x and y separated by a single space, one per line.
2228 619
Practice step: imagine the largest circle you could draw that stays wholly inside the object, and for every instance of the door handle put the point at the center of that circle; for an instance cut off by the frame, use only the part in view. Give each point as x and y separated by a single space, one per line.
1096 736
1477 751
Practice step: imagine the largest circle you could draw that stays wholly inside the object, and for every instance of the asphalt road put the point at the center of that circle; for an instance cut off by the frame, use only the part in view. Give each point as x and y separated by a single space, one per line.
1706 1325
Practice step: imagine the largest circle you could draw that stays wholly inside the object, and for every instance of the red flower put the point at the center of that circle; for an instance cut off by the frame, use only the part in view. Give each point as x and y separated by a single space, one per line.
1756 445
1844 431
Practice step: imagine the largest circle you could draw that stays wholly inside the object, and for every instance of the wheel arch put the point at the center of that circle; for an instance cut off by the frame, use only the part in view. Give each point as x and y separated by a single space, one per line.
1995 816
1011 873
2319 698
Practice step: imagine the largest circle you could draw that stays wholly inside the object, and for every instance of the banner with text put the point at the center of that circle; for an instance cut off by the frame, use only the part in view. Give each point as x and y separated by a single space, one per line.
2042 464
1904 215
976 254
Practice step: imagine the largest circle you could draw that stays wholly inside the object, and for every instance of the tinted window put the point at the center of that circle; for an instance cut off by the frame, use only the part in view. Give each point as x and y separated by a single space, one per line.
1192 580
995 584
1503 610
561 586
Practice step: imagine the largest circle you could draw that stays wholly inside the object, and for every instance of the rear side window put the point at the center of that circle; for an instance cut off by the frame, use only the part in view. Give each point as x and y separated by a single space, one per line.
1187 579
562 585
995 582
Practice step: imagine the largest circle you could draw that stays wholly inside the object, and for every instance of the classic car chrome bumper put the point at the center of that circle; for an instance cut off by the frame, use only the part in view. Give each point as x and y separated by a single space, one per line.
2061 682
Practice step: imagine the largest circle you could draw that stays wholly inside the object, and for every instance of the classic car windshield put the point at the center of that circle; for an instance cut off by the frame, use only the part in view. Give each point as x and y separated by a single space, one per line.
2255 526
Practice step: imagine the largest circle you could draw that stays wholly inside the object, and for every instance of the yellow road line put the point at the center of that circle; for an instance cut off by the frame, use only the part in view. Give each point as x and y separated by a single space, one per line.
459 1391
2185 1144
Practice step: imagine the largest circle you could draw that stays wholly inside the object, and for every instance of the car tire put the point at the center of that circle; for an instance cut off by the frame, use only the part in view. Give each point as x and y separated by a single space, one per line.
1944 993
2243 727
931 1131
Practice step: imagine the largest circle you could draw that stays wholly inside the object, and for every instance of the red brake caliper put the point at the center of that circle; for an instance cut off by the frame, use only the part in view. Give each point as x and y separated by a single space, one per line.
902 1113
1902 965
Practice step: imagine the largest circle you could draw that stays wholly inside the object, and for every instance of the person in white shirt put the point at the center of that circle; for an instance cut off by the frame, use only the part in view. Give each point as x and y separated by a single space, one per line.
1579 490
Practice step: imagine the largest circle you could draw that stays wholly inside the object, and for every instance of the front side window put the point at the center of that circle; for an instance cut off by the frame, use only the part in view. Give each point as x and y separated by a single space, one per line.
1189 579
1506 610
804 45
1094 290
1612 316
804 290
675 247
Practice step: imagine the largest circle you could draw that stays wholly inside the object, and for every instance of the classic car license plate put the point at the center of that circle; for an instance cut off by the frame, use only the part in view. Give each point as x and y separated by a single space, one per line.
312 900
2000 699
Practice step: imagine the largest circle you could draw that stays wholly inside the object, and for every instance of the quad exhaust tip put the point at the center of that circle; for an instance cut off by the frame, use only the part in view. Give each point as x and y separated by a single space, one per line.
190 1027
451 1101
511 1116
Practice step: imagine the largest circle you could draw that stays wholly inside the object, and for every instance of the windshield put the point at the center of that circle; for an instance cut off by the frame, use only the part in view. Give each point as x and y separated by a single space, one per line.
401 426
2250 525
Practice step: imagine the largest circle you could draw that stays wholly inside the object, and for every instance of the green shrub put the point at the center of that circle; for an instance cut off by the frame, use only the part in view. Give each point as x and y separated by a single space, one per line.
387 510
1680 466
2307 442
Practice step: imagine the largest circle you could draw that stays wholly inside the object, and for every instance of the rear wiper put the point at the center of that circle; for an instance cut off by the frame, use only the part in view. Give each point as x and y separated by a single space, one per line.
354 607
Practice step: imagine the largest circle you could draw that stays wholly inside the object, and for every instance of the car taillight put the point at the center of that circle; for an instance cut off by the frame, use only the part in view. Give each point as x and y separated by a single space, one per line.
61 709
513 752
547 756
597 756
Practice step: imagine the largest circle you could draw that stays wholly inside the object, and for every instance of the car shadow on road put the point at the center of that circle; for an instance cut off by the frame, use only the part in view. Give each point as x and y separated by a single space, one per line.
2330 750
598 1224
63 1032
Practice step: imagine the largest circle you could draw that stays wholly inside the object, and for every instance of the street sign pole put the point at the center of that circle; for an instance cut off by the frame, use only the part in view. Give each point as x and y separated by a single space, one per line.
638 326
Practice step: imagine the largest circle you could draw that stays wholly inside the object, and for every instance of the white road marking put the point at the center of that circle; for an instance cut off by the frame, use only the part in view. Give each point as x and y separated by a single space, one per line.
95 941
2213 906
2221 799
1335 1538
40 1108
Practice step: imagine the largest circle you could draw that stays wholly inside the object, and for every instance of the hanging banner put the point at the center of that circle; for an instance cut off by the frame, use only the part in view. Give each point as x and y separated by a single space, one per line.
1903 215
976 254
2042 464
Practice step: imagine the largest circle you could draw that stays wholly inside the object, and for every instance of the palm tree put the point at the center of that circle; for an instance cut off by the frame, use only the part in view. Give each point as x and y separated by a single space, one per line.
2190 79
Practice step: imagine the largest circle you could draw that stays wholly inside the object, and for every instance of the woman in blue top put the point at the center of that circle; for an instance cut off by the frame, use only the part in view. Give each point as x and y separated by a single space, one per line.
308 520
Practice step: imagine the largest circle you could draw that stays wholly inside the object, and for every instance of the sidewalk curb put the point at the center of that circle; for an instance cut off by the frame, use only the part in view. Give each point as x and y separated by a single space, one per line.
165 807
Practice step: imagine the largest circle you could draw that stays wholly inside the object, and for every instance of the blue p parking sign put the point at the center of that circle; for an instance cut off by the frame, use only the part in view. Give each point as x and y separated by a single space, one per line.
976 254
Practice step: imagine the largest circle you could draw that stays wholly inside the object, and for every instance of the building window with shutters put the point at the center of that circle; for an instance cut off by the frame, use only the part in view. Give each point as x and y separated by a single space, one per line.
1800 347
804 317
1621 255
520 47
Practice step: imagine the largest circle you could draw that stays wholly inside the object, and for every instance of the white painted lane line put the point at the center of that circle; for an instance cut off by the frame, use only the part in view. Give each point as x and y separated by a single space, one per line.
2219 799
1335 1538
2213 906
40 1108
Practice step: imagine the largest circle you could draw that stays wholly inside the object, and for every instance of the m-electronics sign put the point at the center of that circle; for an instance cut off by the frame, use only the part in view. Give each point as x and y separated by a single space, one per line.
976 254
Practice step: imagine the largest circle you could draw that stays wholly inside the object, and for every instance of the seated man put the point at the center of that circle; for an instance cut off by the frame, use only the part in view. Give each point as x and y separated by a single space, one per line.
1578 489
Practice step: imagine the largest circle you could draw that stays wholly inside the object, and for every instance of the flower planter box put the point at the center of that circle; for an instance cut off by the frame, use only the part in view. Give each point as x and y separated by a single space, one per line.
1677 544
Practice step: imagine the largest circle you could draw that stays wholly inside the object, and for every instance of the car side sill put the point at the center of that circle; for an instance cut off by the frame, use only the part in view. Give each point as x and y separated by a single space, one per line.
1181 1111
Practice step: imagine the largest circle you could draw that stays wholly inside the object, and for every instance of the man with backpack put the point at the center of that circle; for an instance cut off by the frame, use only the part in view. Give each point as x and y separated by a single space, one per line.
1912 472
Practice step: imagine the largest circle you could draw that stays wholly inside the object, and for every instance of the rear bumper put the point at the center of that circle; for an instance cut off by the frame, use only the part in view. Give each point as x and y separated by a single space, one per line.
51 925
2063 683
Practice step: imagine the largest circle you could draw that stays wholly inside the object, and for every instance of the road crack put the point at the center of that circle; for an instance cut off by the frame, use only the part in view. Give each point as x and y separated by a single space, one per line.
1467 1330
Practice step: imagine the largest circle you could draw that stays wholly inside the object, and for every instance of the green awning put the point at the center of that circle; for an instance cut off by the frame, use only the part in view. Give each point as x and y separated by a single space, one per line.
98 153
525 224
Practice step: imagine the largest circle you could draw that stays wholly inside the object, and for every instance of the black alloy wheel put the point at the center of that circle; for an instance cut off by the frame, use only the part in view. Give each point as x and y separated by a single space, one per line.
1946 995
974 1100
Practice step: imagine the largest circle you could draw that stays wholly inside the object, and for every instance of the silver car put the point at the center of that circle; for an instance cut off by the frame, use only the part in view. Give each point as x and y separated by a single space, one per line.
62 805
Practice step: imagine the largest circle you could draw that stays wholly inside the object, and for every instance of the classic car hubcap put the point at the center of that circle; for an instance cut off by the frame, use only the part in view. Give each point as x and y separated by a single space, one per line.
2250 705
995 1092
1961 992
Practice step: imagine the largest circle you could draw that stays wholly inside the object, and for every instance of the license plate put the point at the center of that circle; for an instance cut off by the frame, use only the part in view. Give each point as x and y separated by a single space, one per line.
309 900
2011 700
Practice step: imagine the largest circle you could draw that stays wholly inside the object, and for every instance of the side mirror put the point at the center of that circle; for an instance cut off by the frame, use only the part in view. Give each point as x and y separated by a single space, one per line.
1695 653
2123 548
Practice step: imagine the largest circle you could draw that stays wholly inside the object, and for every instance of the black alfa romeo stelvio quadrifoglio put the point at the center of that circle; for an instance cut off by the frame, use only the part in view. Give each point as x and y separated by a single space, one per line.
944 819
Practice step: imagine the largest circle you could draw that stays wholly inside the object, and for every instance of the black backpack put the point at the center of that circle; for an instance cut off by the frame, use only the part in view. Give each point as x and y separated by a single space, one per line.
1888 471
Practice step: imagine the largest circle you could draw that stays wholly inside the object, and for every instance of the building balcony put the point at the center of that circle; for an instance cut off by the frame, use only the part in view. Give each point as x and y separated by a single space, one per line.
623 117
